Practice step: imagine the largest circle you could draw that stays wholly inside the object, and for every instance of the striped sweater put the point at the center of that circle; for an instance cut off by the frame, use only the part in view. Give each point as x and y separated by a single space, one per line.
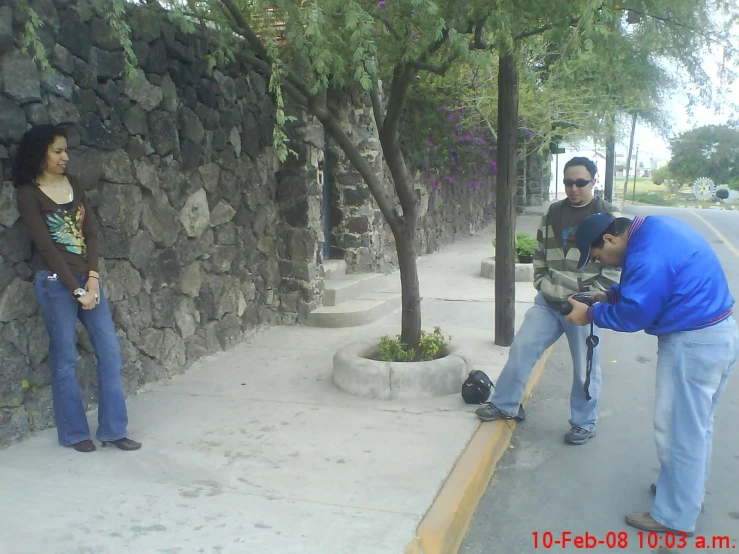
555 268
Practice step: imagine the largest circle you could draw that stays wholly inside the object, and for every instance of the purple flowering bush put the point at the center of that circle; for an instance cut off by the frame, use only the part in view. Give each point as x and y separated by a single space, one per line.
448 148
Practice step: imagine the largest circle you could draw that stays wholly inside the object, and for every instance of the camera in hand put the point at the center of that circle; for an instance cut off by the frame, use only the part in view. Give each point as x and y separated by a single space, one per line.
583 297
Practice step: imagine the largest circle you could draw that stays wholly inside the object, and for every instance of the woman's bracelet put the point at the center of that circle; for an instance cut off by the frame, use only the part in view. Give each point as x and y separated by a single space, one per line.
93 277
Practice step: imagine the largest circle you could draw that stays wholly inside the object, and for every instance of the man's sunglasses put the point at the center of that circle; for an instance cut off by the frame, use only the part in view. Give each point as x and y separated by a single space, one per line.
579 182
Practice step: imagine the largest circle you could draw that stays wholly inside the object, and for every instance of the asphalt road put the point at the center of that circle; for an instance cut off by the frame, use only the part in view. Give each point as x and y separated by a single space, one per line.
543 485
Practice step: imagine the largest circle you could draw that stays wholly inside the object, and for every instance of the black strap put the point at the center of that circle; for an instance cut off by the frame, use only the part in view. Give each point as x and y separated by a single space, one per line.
591 342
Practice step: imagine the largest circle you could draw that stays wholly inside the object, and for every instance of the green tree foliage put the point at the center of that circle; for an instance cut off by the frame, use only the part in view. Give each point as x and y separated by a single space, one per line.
710 151
663 176
577 77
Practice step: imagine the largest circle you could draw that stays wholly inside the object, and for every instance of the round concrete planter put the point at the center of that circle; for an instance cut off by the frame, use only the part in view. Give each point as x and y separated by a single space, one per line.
523 272
356 373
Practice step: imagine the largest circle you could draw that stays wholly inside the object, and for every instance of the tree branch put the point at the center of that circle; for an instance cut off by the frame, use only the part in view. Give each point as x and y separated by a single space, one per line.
439 70
360 163
377 105
244 29
478 43
403 74
402 77
389 26
539 30
259 64
490 127
670 21
264 67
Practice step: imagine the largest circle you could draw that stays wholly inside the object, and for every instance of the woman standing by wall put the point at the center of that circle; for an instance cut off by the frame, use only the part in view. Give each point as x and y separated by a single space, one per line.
55 210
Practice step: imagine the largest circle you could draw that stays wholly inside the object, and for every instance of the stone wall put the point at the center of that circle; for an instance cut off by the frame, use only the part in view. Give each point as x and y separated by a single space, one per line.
201 244
359 233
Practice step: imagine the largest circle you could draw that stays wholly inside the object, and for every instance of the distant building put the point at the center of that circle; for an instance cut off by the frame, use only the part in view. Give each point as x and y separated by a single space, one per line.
644 170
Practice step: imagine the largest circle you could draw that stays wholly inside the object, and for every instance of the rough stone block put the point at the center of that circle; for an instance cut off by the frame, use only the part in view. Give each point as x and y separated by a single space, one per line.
8 210
117 167
141 91
122 208
163 132
12 121
20 77
17 301
159 218
195 215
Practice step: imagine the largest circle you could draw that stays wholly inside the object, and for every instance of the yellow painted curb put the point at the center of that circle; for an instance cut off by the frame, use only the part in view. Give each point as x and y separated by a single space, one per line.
445 524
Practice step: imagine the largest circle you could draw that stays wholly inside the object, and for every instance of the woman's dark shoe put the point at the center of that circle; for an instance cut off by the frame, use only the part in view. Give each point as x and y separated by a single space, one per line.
124 444
84 446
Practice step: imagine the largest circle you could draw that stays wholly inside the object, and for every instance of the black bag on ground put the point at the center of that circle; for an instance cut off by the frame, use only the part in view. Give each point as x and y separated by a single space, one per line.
476 388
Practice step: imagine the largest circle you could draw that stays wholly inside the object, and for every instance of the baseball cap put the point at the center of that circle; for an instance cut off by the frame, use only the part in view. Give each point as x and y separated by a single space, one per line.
588 232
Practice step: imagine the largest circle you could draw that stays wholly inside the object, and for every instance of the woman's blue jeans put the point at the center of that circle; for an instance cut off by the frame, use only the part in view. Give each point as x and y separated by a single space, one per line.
60 310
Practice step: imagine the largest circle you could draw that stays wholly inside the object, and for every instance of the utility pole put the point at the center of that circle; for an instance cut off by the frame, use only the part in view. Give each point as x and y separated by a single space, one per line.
610 162
610 158
636 171
628 159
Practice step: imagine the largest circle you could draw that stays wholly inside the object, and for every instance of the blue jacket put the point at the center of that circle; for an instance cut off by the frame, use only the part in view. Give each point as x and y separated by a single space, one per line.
671 281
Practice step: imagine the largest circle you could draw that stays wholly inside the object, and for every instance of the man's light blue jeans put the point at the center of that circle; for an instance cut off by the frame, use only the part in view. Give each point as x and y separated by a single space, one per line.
692 370
60 310
541 328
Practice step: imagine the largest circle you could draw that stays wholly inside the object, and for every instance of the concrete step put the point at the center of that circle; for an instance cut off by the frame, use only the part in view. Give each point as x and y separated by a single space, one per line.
341 290
334 269
363 310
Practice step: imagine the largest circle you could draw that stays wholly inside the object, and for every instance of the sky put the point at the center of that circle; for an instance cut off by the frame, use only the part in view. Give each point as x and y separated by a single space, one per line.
654 148
725 95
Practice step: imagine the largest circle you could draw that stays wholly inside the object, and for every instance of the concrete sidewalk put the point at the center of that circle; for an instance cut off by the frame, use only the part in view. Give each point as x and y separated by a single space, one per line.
256 451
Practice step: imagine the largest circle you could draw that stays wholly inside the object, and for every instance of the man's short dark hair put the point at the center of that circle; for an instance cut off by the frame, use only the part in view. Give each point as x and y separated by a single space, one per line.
586 162
619 226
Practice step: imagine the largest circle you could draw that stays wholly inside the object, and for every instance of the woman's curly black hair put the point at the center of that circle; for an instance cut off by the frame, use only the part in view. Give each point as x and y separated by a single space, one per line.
31 155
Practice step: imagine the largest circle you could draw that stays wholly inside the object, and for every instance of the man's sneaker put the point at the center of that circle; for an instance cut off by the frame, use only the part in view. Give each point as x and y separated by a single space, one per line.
578 435
488 412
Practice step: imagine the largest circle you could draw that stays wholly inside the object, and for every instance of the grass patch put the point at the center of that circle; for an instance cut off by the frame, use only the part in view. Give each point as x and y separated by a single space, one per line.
653 199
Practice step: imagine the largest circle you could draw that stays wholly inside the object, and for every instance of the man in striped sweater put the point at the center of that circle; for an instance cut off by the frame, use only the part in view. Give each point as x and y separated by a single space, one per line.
557 277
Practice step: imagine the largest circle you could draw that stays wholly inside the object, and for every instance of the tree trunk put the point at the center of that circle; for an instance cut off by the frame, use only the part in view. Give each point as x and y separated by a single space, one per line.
505 206
405 233
610 164
410 331
628 158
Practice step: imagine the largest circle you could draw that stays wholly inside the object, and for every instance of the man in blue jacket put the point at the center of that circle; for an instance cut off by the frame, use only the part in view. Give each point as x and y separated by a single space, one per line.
672 286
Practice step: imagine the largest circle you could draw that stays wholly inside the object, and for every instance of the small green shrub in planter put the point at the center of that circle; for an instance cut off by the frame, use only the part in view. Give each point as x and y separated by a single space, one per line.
525 247
430 347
